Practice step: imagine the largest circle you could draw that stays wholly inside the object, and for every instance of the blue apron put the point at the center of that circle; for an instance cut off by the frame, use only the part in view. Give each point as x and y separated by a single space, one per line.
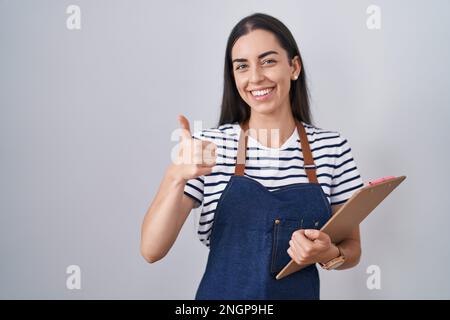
251 232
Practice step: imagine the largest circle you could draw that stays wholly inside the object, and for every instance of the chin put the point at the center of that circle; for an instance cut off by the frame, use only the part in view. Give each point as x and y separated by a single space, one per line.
264 108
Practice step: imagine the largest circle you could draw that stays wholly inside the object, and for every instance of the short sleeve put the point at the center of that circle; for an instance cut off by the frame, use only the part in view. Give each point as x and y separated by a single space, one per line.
194 190
346 179
194 187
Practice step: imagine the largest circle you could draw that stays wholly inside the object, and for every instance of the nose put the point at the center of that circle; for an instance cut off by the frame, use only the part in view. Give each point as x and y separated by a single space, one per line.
256 75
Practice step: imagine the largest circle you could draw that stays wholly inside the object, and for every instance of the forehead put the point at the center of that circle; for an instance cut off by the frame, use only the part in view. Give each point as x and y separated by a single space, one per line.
254 43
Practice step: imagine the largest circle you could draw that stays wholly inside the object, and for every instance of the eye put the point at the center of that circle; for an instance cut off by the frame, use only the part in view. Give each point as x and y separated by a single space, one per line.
239 66
273 61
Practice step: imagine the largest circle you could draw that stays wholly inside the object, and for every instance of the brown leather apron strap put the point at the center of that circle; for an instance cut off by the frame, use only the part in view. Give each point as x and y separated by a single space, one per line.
242 148
309 164
308 160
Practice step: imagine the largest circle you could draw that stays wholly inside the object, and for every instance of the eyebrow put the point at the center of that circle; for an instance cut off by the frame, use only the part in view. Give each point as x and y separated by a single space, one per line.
262 55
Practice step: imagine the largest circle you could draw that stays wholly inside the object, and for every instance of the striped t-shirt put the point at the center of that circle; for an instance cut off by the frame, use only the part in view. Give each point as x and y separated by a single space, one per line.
273 167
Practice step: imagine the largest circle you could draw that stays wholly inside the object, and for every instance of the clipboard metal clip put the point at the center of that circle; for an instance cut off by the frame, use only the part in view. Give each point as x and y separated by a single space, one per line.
377 181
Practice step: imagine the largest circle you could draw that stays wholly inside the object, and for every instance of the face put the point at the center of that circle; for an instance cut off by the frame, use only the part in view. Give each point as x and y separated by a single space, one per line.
262 71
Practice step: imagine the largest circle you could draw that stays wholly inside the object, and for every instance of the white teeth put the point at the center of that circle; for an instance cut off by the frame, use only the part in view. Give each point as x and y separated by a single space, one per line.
261 92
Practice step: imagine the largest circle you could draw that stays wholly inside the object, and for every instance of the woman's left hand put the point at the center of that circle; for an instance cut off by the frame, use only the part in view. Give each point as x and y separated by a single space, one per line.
310 246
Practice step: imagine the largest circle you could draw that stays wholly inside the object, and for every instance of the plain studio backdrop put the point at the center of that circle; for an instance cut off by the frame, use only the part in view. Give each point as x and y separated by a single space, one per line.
87 117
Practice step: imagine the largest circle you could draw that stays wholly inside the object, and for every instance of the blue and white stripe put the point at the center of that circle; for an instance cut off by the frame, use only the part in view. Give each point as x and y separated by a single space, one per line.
337 172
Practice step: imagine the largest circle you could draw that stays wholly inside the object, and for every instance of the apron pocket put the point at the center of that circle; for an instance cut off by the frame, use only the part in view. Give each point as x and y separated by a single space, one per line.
282 233
283 228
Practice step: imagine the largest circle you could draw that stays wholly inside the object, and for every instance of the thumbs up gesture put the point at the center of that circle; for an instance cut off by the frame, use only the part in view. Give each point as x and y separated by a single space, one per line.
195 157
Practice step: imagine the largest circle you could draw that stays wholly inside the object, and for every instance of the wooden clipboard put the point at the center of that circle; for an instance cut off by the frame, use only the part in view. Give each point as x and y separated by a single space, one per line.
351 214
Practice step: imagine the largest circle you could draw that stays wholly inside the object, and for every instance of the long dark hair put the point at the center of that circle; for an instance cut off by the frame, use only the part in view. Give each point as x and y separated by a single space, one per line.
233 107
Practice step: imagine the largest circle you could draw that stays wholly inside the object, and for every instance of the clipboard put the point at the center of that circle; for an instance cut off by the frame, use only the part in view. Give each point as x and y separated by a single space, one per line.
351 214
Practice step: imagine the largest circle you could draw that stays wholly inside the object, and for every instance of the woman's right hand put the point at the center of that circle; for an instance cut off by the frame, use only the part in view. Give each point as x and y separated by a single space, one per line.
195 157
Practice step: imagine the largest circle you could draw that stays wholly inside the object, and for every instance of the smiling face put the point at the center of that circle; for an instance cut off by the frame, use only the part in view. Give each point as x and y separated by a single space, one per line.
262 71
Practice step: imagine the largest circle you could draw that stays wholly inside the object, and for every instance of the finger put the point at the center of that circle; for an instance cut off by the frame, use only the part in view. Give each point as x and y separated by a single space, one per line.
320 238
186 129
203 171
303 243
292 254
209 154
197 159
300 236
312 234
294 247
197 150
209 146
208 161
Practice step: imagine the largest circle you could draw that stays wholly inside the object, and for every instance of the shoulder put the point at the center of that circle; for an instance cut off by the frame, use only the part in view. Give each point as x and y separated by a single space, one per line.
323 136
329 142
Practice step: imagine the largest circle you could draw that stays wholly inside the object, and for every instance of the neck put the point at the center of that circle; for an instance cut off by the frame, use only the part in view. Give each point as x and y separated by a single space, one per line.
272 130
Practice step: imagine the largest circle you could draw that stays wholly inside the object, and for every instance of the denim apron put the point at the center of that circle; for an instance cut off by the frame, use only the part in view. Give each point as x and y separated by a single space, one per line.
251 232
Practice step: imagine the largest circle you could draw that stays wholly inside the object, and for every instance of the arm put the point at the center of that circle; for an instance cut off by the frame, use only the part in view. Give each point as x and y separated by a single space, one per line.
165 217
350 247
170 208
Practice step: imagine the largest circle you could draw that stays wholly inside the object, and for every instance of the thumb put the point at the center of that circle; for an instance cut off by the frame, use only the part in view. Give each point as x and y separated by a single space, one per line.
185 128
312 234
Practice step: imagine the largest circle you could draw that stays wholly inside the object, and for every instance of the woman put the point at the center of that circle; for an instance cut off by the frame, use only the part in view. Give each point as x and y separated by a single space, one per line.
260 212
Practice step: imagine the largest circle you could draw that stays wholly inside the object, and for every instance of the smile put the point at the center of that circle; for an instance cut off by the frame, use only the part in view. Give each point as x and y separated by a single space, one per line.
262 94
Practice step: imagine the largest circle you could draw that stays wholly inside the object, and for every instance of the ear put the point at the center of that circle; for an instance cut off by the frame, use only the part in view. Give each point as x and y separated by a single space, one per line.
296 66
